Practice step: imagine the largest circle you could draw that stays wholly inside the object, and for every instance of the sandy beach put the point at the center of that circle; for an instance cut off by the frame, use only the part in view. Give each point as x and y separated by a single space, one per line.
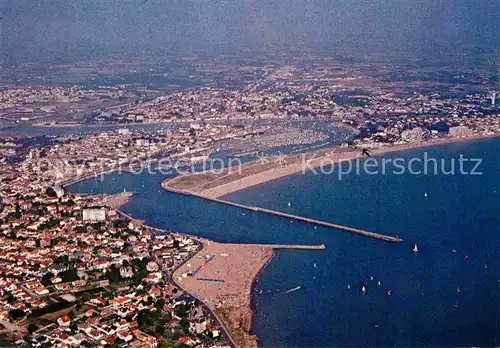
116 201
221 275
212 184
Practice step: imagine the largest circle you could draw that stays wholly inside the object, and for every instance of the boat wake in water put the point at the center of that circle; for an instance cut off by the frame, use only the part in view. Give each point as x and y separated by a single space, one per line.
289 291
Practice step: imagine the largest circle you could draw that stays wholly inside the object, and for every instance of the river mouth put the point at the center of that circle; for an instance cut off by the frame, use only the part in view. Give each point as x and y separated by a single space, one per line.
459 212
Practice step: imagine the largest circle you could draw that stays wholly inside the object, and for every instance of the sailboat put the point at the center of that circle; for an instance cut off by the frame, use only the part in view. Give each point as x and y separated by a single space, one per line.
289 204
425 194
415 248
363 289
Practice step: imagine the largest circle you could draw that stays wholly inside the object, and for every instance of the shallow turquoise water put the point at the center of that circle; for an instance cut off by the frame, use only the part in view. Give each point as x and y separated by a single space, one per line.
460 212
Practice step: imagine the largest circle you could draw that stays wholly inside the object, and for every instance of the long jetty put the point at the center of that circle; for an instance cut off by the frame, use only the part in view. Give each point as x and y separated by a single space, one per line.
379 236
290 246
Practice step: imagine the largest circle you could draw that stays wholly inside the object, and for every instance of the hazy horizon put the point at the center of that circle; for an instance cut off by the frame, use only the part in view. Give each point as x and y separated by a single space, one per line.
112 28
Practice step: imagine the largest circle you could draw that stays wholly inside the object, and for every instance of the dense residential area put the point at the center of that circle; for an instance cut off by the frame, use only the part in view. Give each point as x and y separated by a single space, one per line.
74 273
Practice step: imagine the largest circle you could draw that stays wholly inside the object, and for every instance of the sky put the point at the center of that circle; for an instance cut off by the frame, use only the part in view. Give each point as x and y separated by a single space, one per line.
86 28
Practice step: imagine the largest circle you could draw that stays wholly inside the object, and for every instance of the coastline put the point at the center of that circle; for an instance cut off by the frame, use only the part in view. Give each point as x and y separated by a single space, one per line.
243 294
167 274
376 152
223 277
216 185
252 291
116 201
249 340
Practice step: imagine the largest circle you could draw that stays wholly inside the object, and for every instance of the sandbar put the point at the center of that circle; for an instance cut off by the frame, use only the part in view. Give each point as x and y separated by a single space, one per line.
218 183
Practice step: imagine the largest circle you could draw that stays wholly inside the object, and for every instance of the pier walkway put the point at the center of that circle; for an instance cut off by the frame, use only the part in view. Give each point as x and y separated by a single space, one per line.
290 246
383 237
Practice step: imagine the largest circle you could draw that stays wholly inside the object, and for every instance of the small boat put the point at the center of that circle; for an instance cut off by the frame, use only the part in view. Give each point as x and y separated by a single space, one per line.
415 249
289 204
379 283
348 286
315 265
425 194
458 289
371 277
363 289
389 292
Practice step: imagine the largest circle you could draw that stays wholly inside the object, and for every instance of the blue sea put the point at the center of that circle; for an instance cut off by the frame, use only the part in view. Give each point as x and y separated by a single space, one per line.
447 294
